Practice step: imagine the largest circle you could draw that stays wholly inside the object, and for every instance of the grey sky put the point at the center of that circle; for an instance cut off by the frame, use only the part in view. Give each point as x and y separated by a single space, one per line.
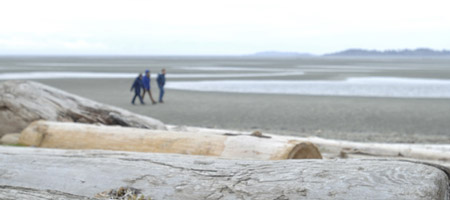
197 27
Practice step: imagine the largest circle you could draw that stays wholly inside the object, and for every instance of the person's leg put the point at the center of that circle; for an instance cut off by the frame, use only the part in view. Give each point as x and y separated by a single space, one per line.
163 91
161 94
143 94
149 94
151 97
140 98
134 98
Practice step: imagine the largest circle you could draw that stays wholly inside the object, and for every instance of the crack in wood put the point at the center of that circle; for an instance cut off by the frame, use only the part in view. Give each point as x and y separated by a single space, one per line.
168 165
5 107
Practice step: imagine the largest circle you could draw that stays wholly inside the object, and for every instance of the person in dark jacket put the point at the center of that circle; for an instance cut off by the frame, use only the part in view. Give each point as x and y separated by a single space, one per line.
146 81
137 85
161 80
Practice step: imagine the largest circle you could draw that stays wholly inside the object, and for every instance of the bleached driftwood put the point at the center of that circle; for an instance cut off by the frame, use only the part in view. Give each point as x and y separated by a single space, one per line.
85 136
416 151
330 148
170 176
22 102
10 138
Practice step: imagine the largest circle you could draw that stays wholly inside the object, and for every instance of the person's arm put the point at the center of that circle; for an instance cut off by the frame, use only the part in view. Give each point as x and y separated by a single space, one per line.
158 80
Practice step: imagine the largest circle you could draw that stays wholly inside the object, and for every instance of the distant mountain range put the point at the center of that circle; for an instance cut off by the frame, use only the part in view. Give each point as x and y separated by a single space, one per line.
400 53
420 52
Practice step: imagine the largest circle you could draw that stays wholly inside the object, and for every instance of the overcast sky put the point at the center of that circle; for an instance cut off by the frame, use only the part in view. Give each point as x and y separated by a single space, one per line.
209 27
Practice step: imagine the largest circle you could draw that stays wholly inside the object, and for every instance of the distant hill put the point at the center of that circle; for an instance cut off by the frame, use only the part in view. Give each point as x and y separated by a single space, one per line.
421 52
280 54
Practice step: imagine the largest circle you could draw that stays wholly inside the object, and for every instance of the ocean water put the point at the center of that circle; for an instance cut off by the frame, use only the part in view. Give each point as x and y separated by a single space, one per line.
226 68
365 86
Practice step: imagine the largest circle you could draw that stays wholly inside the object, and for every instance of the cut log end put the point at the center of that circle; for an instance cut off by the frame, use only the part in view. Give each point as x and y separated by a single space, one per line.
10 139
34 134
304 150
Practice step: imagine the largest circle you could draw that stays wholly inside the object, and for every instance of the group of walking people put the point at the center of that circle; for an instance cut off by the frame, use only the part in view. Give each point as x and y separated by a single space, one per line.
143 82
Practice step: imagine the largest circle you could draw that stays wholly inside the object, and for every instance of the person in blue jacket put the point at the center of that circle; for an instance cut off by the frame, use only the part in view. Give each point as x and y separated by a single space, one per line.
146 82
161 80
137 85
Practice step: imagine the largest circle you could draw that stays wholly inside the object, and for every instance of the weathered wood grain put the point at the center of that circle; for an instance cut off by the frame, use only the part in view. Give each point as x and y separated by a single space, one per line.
22 102
170 176
15 193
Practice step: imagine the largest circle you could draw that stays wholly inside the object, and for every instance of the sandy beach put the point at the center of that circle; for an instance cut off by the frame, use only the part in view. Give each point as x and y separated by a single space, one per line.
356 118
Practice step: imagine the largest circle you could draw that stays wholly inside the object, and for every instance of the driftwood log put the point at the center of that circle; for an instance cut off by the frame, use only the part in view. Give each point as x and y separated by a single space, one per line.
22 102
85 173
330 148
84 136
417 151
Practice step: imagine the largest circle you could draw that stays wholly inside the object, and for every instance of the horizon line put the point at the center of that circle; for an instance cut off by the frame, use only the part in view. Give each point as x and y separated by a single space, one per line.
255 54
